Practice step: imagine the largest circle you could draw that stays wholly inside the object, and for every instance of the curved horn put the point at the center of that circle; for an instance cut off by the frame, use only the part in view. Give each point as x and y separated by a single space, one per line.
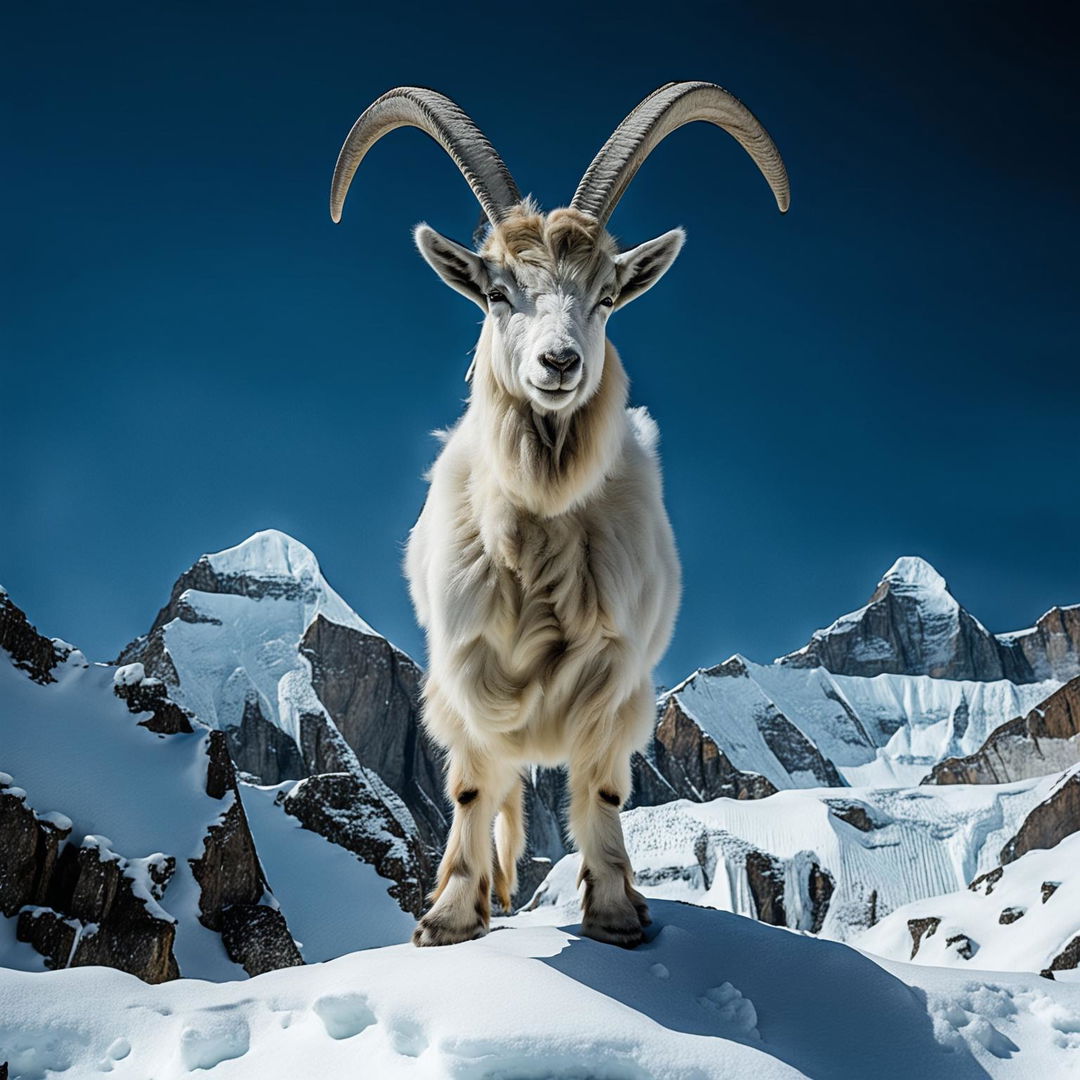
449 126
652 121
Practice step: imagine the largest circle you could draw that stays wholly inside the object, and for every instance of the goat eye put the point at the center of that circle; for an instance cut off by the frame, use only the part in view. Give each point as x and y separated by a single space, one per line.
497 296
607 302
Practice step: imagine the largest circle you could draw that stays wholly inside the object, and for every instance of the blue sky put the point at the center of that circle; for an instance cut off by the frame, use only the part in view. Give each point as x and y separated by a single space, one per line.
190 350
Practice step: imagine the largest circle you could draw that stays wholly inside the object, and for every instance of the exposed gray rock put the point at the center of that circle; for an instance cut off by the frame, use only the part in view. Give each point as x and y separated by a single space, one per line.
262 749
372 692
855 813
230 876
962 945
29 650
257 937
765 875
1011 914
102 911
361 814
29 846
149 695
920 929
695 767
911 625
1056 817
1045 740
1048 888
987 881
1068 959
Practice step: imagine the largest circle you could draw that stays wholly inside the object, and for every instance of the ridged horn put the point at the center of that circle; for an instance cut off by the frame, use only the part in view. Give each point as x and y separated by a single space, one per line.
449 126
663 111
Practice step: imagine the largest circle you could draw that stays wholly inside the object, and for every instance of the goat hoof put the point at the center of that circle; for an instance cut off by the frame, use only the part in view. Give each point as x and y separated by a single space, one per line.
614 931
641 906
430 932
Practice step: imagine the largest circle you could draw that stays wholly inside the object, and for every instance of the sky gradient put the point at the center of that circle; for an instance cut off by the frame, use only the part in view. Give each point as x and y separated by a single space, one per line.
190 350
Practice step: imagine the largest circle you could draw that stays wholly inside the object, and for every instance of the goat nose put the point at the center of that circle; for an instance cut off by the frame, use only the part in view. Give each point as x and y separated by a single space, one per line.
560 362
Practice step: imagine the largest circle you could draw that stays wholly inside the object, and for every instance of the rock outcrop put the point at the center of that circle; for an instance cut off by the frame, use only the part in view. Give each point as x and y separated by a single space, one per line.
1050 822
234 897
361 814
371 691
1043 741
29 650
694 766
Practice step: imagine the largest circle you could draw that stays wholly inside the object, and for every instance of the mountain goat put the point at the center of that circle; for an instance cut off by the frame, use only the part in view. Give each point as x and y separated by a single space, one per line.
543 567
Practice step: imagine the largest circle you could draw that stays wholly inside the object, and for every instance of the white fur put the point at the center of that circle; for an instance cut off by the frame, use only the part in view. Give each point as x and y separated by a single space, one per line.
543 567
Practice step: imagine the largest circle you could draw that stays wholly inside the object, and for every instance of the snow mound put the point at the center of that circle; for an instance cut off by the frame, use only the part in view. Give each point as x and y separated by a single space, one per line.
709 996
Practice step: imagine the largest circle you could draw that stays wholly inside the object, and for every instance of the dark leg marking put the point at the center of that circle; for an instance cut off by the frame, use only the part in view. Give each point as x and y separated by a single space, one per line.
467 797
610 798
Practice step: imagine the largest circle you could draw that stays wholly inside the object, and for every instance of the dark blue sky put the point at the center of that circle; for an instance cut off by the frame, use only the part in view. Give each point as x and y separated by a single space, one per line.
191 350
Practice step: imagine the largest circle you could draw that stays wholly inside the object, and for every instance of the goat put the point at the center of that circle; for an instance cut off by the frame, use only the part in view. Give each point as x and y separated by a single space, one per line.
543 567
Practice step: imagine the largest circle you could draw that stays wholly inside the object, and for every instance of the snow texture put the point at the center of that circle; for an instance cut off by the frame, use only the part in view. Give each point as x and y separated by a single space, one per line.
709 996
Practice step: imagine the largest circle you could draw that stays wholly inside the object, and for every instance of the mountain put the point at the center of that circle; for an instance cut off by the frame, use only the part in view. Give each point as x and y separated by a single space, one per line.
1042 741
1022 915
912 625
831 861
126 839
256 643
881 697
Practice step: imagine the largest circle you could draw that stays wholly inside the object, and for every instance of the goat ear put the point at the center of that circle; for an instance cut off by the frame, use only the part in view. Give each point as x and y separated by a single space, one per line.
640 268
463 270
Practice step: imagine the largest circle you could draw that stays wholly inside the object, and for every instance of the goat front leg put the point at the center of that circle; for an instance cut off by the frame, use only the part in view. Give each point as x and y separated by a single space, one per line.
600 781
461 908
613 910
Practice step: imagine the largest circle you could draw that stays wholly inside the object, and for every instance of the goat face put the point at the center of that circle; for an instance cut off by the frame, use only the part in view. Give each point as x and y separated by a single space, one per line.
547 284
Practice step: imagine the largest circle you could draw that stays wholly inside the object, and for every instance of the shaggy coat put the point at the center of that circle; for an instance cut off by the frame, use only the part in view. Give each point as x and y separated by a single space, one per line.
543 569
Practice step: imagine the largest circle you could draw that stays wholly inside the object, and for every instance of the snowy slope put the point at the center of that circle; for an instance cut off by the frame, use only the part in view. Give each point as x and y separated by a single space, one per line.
709 996
882 848
75 748
335 903
1019 920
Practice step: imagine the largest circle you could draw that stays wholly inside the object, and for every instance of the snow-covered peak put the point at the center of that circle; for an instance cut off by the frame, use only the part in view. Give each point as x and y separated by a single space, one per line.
267 553
912 574
273 565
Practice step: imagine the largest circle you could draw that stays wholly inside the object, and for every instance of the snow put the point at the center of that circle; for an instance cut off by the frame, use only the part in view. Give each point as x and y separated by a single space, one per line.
273 556
333 901
129 675
134 795
86 757
924 841
1039 931
885 730
709 996
910 573
235 648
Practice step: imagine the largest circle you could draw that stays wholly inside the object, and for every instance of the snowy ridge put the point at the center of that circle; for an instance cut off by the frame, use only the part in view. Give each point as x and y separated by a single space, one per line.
889 729
882 848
